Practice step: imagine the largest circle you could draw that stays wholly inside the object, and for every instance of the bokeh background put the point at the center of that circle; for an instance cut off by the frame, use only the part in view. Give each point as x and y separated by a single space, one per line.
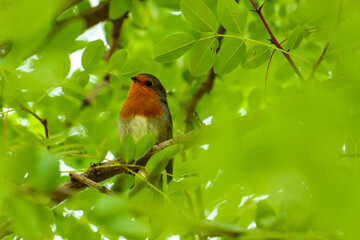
280 159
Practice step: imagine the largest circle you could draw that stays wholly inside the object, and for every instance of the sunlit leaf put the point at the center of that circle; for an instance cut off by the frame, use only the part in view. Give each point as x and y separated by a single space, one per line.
230 56
159 160
198 14
296 37
102 150
30 220
203 56
111 216
118 59
93 55
47 175
127 148
232 15
132 67
144 145
117 8
73 88
256 56
174 4
140 12
173 47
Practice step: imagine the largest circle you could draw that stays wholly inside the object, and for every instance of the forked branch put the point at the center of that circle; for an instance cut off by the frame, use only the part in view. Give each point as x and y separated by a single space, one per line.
43 121
275 41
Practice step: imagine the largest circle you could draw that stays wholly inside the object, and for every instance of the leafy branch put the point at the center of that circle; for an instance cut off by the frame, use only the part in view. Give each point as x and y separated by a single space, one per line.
275 41
205 87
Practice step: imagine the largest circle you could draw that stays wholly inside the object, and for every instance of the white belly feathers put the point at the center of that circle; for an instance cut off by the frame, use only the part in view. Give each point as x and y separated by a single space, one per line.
138 126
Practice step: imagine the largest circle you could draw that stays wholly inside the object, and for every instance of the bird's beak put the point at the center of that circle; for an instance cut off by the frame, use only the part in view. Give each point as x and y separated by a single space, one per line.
134 79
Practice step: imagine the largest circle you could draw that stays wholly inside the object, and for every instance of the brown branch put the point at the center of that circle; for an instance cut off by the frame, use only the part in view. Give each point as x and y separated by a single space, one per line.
110 169
275 41
91 17
114 45
43 121
90 183
205 88
201 136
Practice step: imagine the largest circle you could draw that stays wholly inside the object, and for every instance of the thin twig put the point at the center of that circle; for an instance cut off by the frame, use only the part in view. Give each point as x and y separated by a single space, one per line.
90 183
275 41
43 121
317 64
323 53
114 45
267 69
205 87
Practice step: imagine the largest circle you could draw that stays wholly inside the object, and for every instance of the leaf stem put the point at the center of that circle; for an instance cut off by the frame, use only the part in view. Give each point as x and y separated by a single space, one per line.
265 44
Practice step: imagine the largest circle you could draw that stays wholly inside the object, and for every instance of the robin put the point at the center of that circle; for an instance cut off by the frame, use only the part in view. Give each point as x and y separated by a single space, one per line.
145 110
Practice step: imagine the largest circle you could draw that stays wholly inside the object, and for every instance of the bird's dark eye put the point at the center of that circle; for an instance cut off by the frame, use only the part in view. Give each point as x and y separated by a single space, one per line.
148 83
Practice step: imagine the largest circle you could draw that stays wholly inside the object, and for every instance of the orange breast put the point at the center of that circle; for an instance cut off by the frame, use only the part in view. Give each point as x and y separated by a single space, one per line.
141 106
141 101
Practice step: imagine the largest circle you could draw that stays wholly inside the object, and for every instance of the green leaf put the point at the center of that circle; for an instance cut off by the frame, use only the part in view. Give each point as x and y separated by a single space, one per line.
77 45
117 8
256 56
111 215
282 10
74 89
54 140
188 184
31 221
92 55
159 160
83 6
296 37
140 13
199 15
231 54
123 183
47 173
265 215
203 56
81 230
174 4
127 148
118 59
102 150
173 47
232 15
132 67
83 80
144 145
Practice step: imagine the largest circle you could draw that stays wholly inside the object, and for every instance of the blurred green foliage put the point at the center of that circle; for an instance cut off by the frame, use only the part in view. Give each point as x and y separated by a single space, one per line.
282 158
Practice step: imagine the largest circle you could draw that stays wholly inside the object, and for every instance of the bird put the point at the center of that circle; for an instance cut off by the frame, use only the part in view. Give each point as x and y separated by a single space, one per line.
146 110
